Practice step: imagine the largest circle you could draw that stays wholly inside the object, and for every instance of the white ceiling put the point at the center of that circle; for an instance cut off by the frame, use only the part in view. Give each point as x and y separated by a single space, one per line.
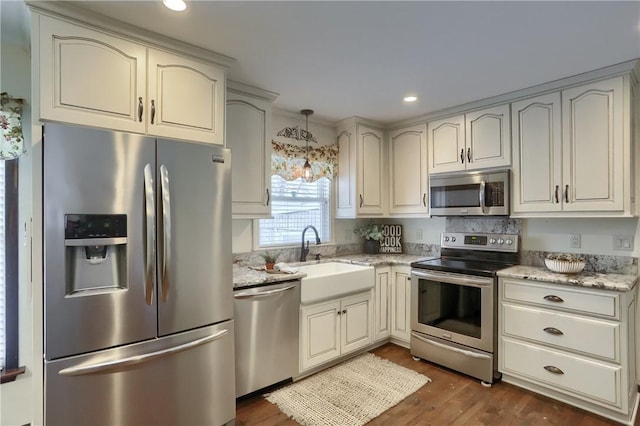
345 58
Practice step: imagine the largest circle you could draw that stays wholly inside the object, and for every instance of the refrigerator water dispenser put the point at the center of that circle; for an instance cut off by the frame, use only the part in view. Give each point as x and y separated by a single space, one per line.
95 253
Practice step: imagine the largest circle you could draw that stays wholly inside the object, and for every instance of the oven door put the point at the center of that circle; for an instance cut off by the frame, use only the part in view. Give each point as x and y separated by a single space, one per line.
454 307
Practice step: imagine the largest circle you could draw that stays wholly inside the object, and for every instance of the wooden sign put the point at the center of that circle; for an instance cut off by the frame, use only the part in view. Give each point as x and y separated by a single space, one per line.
392 239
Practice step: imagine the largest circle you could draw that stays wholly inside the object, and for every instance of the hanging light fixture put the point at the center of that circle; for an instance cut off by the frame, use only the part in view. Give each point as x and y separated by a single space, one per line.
299 134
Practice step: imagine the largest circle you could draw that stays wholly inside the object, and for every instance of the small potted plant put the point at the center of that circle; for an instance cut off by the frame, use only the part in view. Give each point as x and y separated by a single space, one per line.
372 233
270 258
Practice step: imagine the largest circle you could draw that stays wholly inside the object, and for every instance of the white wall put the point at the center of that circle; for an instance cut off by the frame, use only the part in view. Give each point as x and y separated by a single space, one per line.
16 398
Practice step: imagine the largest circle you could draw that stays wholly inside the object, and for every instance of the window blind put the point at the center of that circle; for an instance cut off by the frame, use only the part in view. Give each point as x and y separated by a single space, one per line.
294 205
2 267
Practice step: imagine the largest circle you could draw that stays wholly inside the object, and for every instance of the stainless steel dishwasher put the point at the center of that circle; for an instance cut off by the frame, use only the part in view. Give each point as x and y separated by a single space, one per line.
267 335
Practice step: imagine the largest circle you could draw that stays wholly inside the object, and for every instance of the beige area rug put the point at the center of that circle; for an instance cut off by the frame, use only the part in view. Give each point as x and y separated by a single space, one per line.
351 393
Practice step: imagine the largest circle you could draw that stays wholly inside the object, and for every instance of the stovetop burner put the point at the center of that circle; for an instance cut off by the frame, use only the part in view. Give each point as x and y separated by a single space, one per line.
474 254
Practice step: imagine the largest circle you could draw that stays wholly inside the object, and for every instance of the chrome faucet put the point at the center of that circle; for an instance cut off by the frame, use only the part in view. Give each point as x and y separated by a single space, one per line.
304 251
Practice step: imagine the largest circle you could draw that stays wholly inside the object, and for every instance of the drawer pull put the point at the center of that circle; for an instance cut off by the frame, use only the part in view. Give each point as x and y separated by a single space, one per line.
553 298
553 369
553 330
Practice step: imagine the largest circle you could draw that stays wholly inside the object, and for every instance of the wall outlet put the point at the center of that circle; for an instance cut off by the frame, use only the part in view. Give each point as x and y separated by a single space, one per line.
419 234
623 242
575 241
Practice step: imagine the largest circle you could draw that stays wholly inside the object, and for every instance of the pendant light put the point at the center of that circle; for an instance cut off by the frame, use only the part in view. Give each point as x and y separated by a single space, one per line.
299 134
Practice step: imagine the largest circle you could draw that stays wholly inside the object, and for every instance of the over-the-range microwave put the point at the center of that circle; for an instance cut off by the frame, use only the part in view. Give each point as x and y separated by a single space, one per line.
470 194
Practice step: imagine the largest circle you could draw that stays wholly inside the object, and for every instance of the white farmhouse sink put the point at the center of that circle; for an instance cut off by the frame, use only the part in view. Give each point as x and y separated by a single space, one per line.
331 280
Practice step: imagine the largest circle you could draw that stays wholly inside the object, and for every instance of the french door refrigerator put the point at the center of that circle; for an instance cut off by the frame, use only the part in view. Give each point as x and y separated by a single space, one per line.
137 280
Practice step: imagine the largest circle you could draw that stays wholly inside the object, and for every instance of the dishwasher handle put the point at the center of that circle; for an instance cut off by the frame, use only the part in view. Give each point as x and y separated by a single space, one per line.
242 295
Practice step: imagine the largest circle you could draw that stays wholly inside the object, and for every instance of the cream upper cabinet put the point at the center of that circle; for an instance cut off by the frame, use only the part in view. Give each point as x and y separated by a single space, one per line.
248 134
593 146
185 98
90 77
361 185
572 152
475 140
447 145
537 154
96 78
408 171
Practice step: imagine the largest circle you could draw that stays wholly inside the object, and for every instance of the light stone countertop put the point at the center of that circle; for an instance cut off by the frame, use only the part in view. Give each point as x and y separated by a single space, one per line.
615 282
244 277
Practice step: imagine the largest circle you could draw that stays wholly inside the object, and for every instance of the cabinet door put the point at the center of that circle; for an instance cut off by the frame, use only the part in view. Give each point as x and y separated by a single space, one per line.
488 138
247 133
346 192
356 314
371 190
537 150
401 304
447 145
408 173
382 321
89 77
186 98
592 134
319 334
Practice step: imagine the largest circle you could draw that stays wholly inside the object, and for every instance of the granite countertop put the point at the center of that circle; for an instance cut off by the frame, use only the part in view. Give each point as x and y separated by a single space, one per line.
615 282
244 276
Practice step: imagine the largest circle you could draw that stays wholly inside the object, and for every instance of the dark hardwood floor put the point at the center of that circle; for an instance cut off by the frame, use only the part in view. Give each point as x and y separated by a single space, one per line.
450 399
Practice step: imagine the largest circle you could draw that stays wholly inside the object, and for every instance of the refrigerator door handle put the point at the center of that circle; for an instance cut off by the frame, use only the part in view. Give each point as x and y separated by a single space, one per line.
119 364
150 229
166 233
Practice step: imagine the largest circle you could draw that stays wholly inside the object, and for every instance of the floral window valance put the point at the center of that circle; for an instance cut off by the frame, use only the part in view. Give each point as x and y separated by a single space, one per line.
11 140
287 160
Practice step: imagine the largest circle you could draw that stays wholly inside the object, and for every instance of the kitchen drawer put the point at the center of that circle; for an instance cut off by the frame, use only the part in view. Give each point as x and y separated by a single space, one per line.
565 331
590 302
598 381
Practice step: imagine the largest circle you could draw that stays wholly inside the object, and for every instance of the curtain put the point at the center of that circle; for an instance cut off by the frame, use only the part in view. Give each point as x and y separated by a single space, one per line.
287 160
11 139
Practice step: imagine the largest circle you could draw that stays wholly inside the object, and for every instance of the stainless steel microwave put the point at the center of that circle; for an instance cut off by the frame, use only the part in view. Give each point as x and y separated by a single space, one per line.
470 194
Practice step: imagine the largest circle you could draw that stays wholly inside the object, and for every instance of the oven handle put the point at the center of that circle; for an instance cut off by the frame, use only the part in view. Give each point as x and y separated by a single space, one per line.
468 280
451 348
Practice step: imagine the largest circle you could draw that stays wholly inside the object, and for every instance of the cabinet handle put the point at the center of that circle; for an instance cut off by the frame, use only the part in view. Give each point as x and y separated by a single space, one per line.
553 369
153 110
462 155
140 109
553 298
268 197
424 199
553 330
566 193
557 188
468 155
361 200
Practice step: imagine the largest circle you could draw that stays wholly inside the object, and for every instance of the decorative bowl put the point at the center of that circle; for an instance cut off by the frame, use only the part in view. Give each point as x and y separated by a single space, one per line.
564 264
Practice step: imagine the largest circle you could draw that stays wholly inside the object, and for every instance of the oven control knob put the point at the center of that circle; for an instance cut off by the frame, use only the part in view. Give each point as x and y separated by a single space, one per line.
446 239
509 241
500 241
453 239
492 240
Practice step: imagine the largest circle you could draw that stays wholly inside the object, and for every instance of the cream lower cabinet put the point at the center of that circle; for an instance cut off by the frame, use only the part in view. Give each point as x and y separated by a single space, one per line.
248 135
331 329
572 151
393 304
569 343
97 78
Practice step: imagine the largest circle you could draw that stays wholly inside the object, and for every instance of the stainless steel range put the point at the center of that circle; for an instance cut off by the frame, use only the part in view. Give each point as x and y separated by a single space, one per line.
454 302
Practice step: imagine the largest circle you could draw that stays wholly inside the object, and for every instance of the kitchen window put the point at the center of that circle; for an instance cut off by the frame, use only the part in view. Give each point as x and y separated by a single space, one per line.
9 269
294 205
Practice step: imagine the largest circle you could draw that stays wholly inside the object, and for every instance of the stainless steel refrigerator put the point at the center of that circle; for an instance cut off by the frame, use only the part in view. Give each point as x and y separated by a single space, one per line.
137 280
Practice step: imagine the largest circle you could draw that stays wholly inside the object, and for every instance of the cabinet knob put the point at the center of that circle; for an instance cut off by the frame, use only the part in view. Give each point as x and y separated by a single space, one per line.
344 312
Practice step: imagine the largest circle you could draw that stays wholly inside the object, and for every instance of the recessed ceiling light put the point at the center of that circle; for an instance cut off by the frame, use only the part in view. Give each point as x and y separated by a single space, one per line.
410 98
177 5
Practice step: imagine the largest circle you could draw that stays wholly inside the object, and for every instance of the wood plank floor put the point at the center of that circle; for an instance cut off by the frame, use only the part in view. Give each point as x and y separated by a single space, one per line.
450 399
